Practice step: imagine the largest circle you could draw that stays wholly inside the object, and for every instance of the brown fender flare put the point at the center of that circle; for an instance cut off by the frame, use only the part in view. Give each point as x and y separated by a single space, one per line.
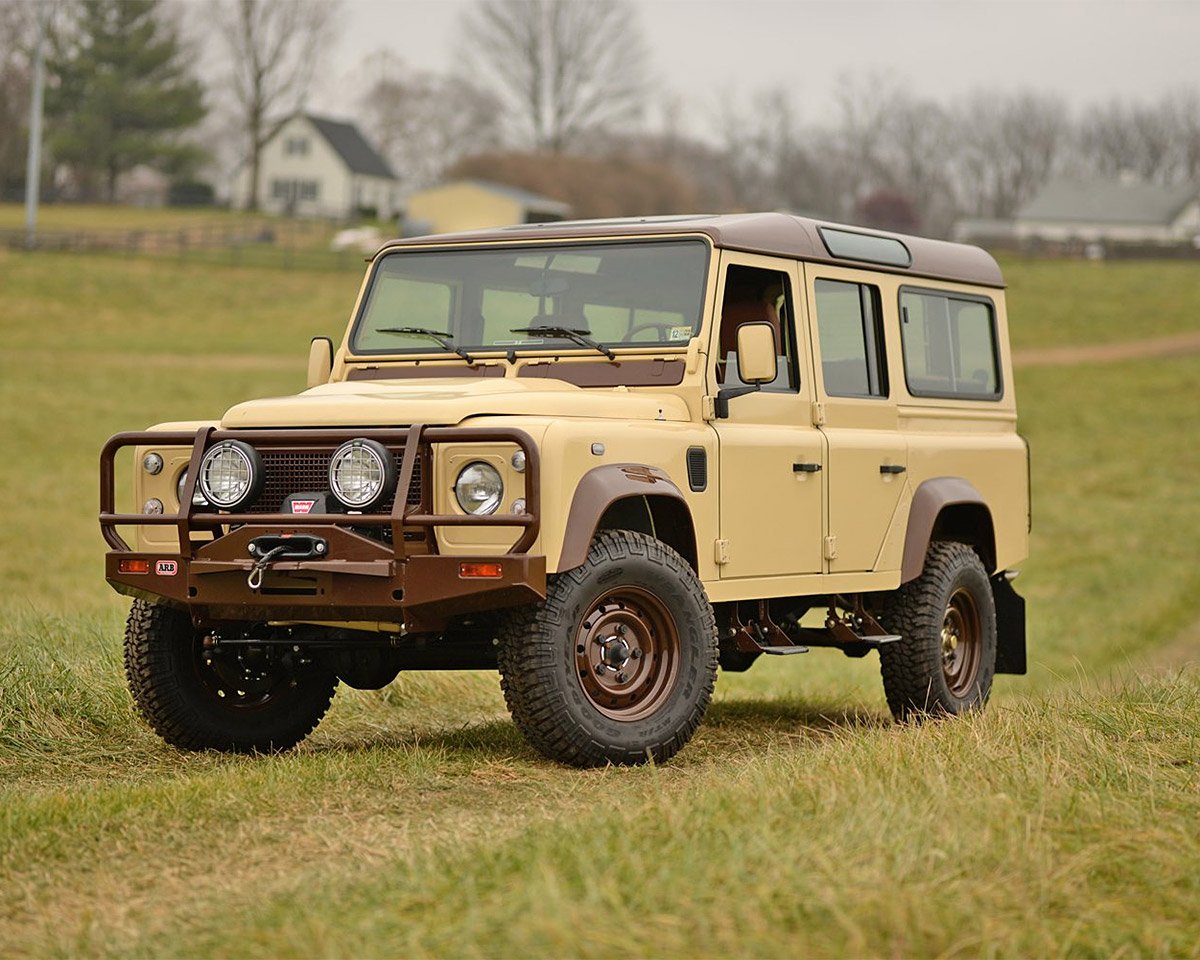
599 489
931 498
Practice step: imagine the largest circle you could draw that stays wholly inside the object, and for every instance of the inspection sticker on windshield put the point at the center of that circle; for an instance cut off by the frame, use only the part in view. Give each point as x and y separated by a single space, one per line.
680 333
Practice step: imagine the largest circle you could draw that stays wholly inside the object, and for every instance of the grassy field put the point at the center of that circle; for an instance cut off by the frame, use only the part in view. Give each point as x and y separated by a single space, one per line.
416 822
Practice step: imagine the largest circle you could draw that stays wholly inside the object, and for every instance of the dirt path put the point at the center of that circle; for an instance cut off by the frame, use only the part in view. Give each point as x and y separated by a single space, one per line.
1109 352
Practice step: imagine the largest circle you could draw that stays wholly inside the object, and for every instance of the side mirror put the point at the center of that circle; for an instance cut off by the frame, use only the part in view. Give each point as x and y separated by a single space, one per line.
756 352
755 363
320 361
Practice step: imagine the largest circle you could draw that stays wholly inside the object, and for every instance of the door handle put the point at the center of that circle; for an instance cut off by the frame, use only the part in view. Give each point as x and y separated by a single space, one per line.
806 468
892 468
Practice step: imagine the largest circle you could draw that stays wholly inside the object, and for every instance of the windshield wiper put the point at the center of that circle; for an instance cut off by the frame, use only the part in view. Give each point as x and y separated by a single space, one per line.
567 333
440 336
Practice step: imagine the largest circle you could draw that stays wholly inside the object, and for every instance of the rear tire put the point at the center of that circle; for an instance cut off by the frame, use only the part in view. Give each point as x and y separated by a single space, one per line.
947 617
253 700
617 665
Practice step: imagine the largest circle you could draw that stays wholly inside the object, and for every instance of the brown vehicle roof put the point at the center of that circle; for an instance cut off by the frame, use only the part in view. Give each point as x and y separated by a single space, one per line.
773 234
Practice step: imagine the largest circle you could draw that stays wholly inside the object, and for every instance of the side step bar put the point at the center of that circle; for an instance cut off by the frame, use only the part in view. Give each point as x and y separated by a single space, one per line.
854 632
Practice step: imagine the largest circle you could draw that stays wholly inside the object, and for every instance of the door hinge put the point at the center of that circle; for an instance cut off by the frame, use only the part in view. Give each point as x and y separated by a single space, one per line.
708 408
831 548
721 551
818 413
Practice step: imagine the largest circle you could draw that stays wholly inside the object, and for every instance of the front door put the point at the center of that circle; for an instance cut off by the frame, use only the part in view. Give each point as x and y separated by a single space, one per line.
771 457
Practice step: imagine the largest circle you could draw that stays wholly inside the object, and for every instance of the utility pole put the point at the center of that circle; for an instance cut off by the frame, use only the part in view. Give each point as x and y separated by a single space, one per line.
33 166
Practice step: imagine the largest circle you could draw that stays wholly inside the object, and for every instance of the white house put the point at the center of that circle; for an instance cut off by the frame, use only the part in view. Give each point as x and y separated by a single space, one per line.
318 167
1120 211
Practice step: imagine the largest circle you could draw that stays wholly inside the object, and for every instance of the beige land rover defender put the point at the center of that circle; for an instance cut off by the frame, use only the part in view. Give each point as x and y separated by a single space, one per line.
603 457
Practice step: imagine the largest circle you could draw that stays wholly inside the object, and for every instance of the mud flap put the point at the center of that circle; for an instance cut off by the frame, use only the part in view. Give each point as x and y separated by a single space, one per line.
1010 627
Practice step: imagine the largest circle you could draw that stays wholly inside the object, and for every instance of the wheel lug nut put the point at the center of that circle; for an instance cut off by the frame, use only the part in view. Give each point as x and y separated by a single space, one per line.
622 677
636 654
600 668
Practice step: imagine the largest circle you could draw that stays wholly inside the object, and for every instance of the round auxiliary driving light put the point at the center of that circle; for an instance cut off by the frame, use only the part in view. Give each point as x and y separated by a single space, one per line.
518 506
231 474
479 488
362 473
153 506
518 461
152 463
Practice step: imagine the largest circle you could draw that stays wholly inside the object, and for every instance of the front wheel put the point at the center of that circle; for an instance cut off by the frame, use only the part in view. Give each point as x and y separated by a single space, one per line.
947 617
244 699
618 664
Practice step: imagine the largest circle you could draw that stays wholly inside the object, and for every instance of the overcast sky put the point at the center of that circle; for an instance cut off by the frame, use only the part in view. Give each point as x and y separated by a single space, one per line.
1085 50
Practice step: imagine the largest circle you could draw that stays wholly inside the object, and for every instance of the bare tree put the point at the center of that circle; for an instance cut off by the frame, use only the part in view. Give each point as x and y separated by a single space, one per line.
1010 145
272 47
562 67
16 37
424 122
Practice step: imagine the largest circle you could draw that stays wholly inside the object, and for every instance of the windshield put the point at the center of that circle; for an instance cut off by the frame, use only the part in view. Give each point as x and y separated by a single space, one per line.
639 295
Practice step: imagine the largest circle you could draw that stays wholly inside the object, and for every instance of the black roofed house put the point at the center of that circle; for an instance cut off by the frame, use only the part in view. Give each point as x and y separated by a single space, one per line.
315 166
1124 211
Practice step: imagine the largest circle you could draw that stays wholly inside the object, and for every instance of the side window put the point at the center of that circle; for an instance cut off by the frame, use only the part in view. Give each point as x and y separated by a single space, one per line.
753 294
850 328
949 345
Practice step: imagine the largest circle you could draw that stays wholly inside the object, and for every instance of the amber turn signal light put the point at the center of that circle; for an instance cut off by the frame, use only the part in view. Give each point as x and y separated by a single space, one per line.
133 566
475 571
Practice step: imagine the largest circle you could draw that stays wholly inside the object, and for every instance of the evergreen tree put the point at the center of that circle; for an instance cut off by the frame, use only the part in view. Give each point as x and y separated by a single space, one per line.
122 91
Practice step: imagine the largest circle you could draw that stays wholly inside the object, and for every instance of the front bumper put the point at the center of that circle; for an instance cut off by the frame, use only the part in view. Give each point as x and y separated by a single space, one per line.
359 578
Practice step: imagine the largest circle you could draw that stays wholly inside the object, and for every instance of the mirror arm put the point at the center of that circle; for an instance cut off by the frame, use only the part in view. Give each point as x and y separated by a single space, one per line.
725 394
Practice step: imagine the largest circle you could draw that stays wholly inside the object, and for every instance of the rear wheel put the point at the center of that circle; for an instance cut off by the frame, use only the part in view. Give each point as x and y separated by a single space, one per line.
947 617
238 699
618 664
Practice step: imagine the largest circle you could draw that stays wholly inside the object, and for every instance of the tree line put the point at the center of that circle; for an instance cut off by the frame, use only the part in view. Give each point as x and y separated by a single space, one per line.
559 98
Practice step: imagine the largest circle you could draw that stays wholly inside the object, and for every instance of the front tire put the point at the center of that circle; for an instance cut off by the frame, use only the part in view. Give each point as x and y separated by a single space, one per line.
617 665
246 700
947 617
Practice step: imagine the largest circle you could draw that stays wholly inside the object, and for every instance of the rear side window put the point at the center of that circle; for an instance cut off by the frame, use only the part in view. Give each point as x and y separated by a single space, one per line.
851 335
949 345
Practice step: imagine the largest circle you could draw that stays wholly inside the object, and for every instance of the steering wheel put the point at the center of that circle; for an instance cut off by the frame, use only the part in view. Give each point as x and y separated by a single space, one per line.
659 325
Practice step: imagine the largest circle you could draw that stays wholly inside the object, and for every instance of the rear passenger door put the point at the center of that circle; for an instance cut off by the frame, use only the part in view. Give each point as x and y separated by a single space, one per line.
852 331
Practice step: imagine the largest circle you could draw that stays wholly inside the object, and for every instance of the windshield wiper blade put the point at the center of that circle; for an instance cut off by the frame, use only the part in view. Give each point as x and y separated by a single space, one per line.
440 336
567 333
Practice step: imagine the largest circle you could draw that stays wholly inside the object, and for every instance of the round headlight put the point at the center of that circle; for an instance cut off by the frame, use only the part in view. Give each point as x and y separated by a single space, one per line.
231 474
479 488
362 473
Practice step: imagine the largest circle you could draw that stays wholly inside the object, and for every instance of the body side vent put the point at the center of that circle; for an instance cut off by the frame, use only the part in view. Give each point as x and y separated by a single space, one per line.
697 468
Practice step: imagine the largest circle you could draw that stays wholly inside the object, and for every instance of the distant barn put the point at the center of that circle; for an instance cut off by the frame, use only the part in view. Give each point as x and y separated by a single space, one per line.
477 204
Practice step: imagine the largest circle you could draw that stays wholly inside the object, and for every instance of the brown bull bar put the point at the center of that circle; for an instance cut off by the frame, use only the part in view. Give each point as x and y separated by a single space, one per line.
361 578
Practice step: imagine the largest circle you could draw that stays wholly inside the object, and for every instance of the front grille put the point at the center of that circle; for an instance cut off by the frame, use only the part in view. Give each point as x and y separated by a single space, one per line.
301 471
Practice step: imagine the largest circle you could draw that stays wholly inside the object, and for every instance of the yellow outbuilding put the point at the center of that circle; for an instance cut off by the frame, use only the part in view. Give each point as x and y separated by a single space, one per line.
475 205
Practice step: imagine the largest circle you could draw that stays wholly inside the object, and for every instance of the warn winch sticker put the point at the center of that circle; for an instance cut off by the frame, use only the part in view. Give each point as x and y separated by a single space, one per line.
166 568
302 506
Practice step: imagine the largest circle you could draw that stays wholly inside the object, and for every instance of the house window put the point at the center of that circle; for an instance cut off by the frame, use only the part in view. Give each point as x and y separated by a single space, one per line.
296 146
851 334
290 191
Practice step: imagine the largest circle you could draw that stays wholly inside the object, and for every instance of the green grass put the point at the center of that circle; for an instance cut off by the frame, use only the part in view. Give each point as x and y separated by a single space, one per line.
1057 303
416 822
106 217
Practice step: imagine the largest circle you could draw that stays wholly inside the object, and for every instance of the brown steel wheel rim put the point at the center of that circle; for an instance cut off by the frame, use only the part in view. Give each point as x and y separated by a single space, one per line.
962 642
627 652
